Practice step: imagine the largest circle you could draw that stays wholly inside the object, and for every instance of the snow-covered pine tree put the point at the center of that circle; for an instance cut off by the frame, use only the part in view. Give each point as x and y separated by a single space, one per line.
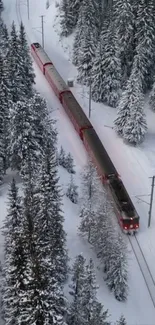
87 224
45 127
1 6
117 273
15 67
121 321
24 137
92 195
98 68
72 192
135 128
145 41
52 237
4 40
88 42
152 98
27 68
111 65
69 164
62 157
124 24
77 44
67 18
15 258
75 315
4 113
38 302
132 95
93 312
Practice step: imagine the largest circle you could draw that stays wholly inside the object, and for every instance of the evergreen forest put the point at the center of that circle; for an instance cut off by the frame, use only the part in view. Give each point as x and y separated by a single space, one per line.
36 266
114 52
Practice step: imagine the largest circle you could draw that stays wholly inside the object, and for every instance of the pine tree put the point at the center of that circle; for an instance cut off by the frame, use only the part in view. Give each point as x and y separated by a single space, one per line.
124 24
136 126
130 122
67 18
24 137
98 74
27 68
52 238
15 67
78 278
15 262
78 39
135 130
88 42
117 275
121 321
71 192
37 304
4 40
1 5
69 164
111 65
92 309
152 98
144 36
62 157
5 100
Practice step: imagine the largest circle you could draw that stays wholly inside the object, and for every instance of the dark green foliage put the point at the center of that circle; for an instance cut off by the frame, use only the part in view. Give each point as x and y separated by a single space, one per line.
27 68
88 32
69 16
71 192
50 227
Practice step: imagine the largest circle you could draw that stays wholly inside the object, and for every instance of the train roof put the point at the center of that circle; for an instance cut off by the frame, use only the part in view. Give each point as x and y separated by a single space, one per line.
55 76
100 153
122 196
41 53
76 110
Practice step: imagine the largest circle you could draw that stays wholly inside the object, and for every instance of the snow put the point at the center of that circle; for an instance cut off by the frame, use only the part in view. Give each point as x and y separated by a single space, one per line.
135 165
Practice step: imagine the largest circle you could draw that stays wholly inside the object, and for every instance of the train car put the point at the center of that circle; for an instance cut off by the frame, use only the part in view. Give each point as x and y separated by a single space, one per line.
123 207
98 155
56 82
128 217
40 56
75 113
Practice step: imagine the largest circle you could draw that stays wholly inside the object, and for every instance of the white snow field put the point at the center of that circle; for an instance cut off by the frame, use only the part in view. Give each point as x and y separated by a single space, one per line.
135 165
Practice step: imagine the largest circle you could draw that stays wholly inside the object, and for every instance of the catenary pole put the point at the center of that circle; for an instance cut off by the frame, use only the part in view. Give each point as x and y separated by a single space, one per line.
28 9
151 200
42 29
90 99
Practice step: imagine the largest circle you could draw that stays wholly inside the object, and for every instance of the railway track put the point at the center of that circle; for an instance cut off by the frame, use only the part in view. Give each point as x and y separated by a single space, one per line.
143 265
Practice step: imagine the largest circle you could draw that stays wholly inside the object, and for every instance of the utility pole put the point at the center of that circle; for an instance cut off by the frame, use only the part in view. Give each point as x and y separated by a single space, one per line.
90 98
42 29
151 200
28 9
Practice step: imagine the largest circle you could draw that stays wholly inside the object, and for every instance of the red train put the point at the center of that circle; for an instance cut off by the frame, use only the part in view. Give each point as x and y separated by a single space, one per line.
123 206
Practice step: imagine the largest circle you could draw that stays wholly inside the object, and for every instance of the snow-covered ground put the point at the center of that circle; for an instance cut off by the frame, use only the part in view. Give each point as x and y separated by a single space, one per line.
135 165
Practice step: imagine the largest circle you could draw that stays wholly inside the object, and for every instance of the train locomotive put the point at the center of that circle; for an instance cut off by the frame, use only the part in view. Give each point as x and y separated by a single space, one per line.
123 206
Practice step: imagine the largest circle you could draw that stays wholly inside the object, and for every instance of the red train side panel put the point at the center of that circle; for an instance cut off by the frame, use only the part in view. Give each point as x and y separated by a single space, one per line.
75 113
40 56
56 82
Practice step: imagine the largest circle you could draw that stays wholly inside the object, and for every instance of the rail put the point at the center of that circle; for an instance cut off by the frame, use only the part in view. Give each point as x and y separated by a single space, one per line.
143 265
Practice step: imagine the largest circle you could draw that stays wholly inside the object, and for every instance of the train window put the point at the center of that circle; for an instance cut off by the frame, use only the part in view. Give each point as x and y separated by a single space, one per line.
37 45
